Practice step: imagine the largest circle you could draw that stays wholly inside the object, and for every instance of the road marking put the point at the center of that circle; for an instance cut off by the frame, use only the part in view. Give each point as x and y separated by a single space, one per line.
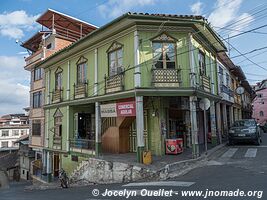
161 183
251 153
229 153
248 146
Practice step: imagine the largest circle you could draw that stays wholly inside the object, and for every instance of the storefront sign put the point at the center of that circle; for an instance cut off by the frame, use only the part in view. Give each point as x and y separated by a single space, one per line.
108 110
118 109
126 108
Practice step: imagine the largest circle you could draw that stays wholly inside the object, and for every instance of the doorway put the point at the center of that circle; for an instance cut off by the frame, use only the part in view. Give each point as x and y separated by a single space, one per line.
56 165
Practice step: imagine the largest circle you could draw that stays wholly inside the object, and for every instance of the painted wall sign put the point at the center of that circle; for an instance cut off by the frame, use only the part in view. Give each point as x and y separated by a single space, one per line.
118 109
126 108
108 110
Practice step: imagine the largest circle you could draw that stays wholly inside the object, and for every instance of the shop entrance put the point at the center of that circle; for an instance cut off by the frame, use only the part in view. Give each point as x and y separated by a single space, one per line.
56 165
132 134
84 128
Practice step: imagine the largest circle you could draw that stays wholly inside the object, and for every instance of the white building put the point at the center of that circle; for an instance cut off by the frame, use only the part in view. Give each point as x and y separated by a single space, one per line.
12 127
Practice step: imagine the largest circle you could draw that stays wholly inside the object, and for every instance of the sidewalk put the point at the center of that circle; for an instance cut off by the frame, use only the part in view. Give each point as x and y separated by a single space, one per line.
124 167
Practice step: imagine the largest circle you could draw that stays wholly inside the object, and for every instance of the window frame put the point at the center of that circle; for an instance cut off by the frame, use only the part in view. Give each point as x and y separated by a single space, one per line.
36 128
4 142
202 69
115 48
261 113
4 135
164 46
37 103
37 74
15 132
58 72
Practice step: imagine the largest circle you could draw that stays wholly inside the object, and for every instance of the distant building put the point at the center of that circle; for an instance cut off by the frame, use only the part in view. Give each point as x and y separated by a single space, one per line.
12 127
26 156
260 103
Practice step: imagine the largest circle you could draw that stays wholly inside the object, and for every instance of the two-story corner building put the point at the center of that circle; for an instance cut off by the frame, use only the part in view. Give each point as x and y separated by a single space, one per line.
12 127
259 105
58 31
129 86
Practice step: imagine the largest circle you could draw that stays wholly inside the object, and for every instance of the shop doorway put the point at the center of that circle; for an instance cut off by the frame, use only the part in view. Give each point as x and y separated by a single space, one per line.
84 126
132 135
56 165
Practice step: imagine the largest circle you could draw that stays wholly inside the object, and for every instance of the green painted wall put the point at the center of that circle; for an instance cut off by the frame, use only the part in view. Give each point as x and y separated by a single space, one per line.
210 63
68 165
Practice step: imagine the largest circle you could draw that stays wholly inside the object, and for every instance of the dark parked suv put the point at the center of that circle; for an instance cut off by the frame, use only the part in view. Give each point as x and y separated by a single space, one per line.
245 130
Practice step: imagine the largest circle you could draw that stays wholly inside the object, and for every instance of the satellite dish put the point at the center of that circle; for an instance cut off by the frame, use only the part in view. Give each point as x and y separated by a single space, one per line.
204 104
240 90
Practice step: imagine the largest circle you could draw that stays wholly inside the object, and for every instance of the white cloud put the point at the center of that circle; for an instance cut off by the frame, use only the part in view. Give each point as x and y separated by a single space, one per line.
14 80
114 8
227 13
14 24
197 8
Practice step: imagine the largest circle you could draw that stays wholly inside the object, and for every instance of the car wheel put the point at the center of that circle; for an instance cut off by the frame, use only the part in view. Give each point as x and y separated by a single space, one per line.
258 141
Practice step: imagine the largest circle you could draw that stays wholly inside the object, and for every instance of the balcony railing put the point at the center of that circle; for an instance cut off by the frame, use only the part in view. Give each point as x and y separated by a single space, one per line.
205 83
57 142
57 96
37 56
82 146
114 83
166 77
80 90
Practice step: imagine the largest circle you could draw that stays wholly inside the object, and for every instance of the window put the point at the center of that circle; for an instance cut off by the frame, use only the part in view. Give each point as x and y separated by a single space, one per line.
202 63
37 99
49 46
15 132
37 74
115 62
4 144
58 80
36 128
5 133
259 95
115 58
58 126
23 132
227 80
261 113
164 55
81 73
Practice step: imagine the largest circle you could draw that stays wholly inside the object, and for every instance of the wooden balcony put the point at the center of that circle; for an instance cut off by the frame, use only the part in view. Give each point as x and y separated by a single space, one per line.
114 83
205 83
165 77
57 96
34 58
57 142
80 90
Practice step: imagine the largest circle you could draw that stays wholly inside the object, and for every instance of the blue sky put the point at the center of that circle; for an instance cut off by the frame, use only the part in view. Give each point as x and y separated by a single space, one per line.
17 22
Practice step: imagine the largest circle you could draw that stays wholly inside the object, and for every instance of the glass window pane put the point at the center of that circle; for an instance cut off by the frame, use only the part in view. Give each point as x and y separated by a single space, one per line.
159 64
119 53
170 51
157 51
171 65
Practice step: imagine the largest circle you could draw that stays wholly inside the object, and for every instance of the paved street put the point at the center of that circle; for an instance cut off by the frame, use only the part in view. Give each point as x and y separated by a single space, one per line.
240 167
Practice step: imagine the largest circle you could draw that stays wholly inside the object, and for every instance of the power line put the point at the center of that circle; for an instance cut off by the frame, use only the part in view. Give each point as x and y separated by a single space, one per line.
252 51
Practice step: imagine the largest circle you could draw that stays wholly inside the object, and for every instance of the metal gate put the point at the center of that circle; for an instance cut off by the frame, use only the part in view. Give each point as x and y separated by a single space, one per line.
132 134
